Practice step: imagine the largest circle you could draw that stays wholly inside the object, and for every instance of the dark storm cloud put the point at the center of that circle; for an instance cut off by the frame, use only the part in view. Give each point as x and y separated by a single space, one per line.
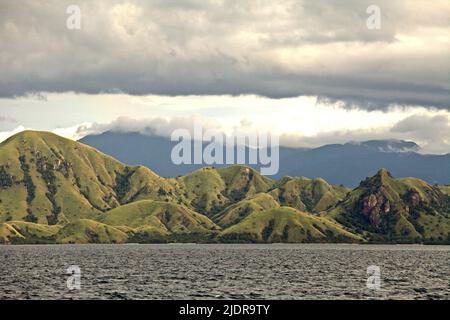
270 48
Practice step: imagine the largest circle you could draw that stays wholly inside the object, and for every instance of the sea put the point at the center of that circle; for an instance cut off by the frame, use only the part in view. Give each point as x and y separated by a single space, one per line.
225 271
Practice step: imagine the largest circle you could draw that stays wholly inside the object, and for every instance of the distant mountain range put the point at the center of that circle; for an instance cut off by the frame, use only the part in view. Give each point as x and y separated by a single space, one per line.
55 190
346 164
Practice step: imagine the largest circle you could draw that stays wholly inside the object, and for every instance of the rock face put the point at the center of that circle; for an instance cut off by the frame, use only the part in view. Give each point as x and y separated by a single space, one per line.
414 198
374 206
369 203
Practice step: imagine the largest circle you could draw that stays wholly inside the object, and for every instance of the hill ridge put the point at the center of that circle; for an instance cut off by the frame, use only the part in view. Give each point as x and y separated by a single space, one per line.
55 190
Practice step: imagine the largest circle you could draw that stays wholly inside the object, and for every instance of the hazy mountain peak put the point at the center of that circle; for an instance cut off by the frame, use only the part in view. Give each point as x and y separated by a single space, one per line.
390 145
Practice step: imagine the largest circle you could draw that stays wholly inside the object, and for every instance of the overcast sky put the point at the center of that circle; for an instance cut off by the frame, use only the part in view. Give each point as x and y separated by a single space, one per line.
310 70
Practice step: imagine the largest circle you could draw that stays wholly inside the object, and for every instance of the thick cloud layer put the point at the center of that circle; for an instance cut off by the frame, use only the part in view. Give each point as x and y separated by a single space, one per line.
271 48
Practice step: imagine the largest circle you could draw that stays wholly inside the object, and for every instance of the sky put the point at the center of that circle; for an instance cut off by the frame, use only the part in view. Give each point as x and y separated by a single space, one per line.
312 72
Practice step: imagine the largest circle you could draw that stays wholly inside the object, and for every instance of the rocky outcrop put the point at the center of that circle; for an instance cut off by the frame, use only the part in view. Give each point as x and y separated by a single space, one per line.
374 206
413 198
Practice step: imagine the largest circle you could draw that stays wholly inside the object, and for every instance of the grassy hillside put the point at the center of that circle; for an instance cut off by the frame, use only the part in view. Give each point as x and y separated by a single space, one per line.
445 189
210 190
243 181
20 232
312 195
204 190
89 231
401 210
80 231
51 180
156 221
55 190
286 225
238 211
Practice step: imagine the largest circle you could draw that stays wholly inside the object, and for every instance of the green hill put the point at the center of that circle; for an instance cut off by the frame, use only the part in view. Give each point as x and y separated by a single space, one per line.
150 219
312 195
238 211
89 231
210 190
51 180
242 181
80 231
286 225
402 210
20 232
55 190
